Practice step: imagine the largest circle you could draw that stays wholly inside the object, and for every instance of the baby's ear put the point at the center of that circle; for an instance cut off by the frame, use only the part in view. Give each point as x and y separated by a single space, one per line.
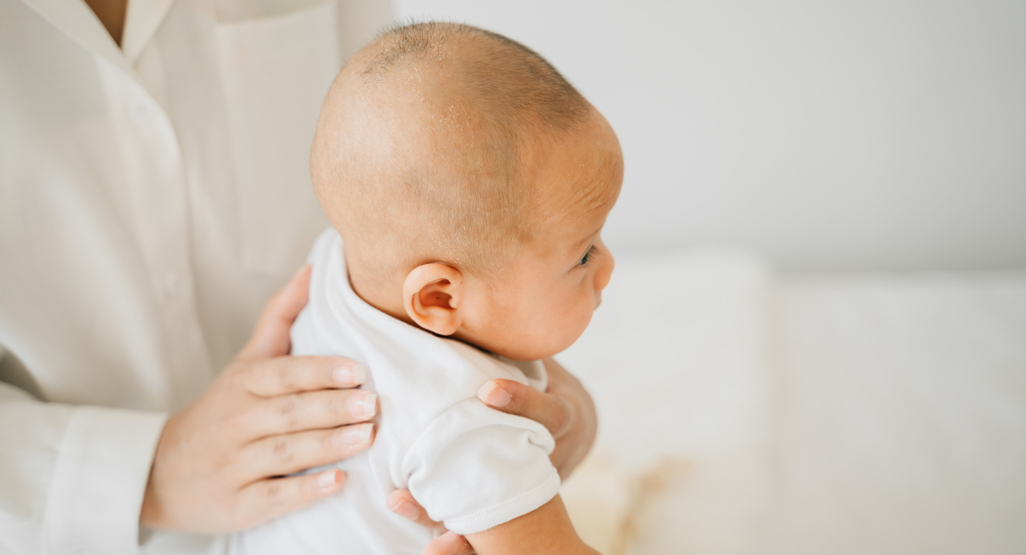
431 295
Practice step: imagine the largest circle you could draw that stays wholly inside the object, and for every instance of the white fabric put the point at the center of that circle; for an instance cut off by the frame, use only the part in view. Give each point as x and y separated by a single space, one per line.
151 200
853 413
902 408
471 467
676 362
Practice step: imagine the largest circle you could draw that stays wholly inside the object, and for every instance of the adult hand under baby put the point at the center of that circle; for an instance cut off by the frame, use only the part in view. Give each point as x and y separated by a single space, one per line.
219 463
565 408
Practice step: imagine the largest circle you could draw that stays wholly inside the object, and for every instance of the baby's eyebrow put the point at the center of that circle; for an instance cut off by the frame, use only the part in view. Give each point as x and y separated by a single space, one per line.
581 243
586 239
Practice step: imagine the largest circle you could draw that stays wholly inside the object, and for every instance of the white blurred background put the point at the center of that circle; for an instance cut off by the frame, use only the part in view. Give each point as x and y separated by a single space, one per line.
845 135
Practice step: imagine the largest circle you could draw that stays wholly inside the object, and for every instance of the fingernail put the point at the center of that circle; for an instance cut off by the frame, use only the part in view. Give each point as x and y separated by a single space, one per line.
328 479
406 510
349 375
494 395
358 434
362 405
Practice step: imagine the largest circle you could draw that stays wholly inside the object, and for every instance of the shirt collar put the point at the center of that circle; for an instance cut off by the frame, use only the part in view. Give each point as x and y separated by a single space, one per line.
77 21
141 22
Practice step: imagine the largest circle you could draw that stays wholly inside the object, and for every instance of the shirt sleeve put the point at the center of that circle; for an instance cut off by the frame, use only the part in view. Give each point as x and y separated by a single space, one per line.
72 478
474 468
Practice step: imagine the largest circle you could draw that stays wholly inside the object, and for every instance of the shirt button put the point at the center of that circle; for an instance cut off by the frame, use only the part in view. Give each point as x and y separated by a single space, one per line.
141 111
174 285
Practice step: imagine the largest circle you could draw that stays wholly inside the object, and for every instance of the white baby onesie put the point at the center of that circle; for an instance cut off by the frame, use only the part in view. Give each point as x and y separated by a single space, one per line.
470 466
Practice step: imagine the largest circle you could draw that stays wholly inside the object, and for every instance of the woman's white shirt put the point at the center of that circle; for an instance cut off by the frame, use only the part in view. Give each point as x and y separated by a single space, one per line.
152 198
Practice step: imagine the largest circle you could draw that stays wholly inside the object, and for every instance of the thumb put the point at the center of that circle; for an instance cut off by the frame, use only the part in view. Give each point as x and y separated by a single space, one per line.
271 336
512 397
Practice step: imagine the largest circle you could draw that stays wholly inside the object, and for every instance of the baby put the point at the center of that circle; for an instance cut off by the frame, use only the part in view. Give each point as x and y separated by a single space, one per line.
467 183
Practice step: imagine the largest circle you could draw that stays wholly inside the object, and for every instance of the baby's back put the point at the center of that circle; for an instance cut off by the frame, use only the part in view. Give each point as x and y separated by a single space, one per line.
434 436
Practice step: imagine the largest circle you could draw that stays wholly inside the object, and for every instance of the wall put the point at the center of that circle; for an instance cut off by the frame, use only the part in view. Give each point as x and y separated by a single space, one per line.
874 134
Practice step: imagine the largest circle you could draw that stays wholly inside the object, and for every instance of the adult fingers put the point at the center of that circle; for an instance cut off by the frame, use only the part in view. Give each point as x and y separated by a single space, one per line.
449 543
266 499
289 453
523 400
271 336
313 410
574 444
287 374
402 503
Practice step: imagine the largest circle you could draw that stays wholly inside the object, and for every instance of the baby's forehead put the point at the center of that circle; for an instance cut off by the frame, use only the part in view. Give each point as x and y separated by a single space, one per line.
578 172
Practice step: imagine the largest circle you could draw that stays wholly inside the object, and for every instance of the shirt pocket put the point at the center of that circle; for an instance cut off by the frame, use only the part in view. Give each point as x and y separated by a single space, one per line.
275 72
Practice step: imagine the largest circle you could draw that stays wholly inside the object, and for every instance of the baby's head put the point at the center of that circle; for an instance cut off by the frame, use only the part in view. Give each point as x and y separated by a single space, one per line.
469 182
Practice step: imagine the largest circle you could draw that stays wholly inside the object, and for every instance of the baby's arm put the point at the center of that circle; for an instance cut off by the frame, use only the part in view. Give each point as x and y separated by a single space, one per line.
545 530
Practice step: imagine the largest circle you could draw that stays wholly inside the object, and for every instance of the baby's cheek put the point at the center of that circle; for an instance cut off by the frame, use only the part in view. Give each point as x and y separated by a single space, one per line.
579 318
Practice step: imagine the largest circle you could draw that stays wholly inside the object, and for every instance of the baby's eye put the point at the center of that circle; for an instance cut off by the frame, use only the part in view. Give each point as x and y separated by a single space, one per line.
588 256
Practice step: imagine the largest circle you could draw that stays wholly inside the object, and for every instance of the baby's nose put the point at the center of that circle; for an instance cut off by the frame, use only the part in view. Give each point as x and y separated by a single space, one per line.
603 275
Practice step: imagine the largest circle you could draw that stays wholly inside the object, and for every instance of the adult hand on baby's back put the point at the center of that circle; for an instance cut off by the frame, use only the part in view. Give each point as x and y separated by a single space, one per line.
565 409
219 462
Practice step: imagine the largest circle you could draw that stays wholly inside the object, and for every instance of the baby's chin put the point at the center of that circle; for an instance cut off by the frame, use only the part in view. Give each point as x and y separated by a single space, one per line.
528 354
540 340
539 349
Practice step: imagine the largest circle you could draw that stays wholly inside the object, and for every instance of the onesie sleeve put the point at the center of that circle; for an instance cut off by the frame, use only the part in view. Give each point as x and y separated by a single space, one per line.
474 467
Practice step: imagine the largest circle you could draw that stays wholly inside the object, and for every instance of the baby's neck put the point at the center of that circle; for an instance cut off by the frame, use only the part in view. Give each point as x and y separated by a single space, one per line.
381 294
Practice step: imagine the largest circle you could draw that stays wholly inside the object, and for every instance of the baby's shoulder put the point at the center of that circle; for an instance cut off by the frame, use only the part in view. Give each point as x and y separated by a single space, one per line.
439 373
442 377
